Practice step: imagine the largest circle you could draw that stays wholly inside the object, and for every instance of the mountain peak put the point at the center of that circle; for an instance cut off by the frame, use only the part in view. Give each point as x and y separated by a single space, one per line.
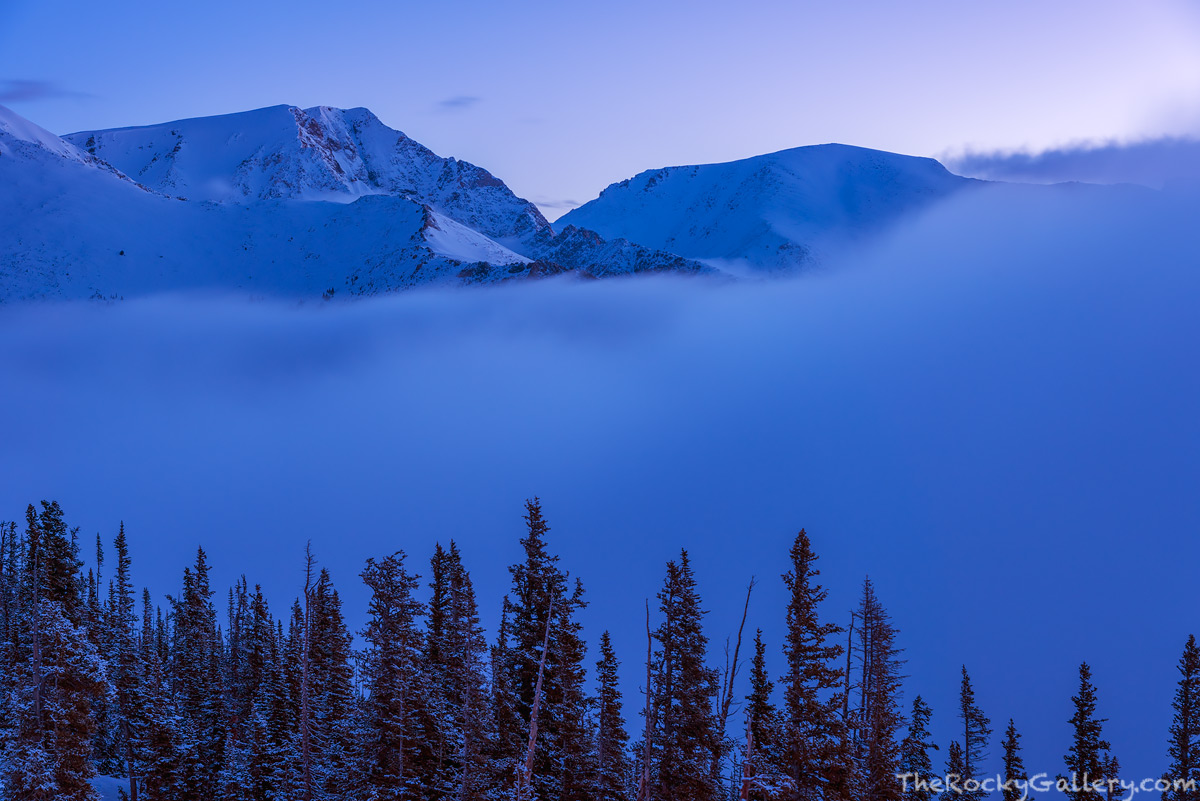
780 210
319 153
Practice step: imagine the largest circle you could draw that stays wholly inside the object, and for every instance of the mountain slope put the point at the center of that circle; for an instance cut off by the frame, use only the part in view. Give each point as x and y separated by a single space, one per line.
272 202
323 153
20 137
72 226
777 211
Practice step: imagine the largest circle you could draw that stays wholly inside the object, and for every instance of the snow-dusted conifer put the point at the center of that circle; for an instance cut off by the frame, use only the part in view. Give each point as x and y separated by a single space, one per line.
879 717
1015 776
612 759
813 727
1183 748
1088 759
761 775
915 761
684 691
395 749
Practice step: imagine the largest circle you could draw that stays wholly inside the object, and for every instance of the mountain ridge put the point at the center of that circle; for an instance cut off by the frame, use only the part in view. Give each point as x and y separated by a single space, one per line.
280 200
777 211
317 201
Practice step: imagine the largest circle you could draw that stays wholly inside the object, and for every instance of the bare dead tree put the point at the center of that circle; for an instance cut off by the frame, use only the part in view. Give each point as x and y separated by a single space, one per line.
846 677
643 789
731 667
526 783
731 670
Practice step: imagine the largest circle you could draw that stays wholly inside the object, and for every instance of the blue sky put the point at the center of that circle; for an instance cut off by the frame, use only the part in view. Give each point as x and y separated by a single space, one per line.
561 99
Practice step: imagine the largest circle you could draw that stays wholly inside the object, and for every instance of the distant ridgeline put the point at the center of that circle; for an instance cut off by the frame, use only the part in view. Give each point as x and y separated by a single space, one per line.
279 201
173 706
325 202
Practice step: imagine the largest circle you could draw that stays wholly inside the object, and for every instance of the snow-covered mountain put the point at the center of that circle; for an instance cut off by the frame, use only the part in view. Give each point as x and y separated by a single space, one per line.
339 155
319 201
778 211
274 201
322 153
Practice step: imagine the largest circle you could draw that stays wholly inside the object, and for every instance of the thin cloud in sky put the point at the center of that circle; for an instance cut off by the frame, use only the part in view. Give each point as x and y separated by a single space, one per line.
1158 162
459 103
557 203
18 90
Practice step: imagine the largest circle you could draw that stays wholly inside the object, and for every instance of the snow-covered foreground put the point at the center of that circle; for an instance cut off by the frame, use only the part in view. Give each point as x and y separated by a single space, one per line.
992 413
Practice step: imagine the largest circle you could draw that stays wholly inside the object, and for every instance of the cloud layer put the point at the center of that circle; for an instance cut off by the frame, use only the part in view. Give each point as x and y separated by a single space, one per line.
26 91
1157 163
459 103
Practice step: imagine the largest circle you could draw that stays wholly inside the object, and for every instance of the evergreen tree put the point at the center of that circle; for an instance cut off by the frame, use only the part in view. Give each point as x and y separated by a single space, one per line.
196 654
879 717
160 758
1016 778
101 626
570 760
58 672
125 671
271 709
455 656
77 678
684 691
915 761
976 731
277 752
395 749
761 777
291 677
9 631
537 583
467 661
1184 738
241 674
9 582
612 741
234 782
266 767
1112 771
332 689
446 737
956 774
59 564
1087 761
505 748
813 727
540 602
